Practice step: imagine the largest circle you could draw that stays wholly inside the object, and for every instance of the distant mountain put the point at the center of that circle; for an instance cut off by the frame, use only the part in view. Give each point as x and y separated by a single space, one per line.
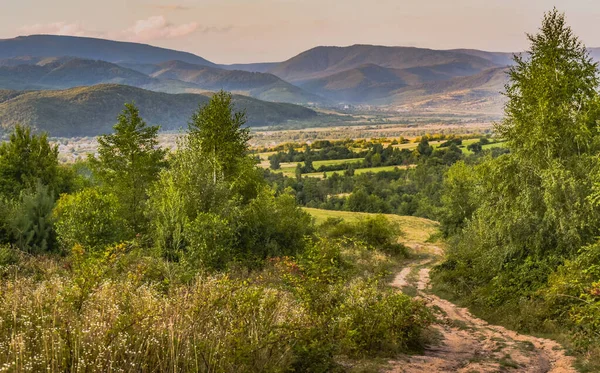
93 49
49 73
325 61
479 93
595 53
370 82
499 58
34 73
259 85
89 111
252 67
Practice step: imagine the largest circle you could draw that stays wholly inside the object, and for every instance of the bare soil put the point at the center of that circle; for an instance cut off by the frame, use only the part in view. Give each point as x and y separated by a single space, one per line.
469 344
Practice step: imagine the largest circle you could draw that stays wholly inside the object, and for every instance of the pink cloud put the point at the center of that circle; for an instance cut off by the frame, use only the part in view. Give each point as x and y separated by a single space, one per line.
57 28
157 27
144 30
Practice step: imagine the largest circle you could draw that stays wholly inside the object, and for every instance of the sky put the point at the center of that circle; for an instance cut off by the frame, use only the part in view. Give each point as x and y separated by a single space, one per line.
244 31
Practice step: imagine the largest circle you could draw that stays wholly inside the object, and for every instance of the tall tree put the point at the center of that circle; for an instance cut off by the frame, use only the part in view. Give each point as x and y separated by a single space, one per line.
552 108
128 162
26 159
217 131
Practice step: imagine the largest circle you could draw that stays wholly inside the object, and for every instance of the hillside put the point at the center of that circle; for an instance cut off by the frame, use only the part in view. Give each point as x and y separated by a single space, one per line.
595 53
38 73
499 58
260 67
67 73
89 111
320 62
371 82
259 85
92 48
479 93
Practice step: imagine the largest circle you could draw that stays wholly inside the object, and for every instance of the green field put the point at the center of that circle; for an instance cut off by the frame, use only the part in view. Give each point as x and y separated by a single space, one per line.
415 229
358 171
289 168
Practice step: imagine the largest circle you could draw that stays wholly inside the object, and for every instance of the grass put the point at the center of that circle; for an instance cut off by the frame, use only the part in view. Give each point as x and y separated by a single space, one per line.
415 229
358 171
289 168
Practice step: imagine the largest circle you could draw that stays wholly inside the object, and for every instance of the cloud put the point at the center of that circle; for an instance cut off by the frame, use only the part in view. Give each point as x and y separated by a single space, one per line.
144 30
57 28
172 7
157 27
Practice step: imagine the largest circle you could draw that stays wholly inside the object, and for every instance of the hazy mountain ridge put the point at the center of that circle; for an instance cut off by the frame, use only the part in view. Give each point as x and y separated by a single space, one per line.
481 93
320 62
258 85
93 49
378 76
170 77
88 111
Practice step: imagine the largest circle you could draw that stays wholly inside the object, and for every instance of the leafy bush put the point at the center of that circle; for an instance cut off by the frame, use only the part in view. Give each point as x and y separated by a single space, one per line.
31 223
272 226
376 232
88 218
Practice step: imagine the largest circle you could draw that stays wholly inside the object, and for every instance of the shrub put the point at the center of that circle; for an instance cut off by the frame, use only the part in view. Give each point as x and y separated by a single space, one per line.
88 218
272 226
31 223
376 232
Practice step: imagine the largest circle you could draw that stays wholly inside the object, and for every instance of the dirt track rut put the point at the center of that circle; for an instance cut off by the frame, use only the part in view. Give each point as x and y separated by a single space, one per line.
469 344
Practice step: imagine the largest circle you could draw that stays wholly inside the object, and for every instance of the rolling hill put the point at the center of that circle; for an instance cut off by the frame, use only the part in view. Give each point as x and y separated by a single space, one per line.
89 111
62 73
479 93
370 82
36 73
259 85
320 62
93 49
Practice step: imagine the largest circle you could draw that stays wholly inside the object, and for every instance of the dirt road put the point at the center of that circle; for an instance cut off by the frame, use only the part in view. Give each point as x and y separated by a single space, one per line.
469 344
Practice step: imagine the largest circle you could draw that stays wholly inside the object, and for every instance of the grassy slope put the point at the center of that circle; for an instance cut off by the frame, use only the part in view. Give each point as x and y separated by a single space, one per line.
415 229
358 171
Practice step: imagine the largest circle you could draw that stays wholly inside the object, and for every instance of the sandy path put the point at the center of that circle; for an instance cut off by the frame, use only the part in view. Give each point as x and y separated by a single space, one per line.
469 344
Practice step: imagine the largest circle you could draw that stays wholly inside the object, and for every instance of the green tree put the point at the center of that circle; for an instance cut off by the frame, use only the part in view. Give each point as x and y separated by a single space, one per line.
552 107
31 222
26 159
274 162
128 162
424 148
459 198
218 134
534 208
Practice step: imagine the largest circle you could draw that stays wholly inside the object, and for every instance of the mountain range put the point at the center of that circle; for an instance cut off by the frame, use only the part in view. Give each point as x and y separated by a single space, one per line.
387 78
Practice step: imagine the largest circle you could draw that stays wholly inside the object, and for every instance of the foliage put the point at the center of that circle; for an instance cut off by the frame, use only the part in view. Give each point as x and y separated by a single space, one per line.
458 198
376 232
31 223
128 162
216 132
520 221
272 226
90 218
118 308
26 159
